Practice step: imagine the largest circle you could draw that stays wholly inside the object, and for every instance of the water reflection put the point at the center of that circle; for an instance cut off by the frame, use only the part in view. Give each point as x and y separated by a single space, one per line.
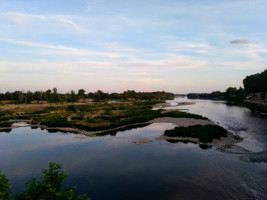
236 119
111 167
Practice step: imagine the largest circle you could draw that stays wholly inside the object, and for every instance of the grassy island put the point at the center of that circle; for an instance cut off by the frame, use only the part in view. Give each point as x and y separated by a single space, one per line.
99 116
205 133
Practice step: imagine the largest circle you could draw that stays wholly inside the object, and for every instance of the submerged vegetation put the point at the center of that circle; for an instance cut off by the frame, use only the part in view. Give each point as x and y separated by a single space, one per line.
50 187
205 133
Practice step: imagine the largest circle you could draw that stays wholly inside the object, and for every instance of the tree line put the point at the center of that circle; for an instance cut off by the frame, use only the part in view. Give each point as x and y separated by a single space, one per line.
256 82
231 94
54 96
252 84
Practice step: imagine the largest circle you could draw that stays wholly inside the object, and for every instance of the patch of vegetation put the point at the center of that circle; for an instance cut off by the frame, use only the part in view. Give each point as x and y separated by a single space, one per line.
55 121
45 110
204 133
77 118
5 124
50 187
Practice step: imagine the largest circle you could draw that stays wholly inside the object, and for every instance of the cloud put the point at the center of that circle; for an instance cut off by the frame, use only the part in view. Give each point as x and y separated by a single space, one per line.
53 21
183 46
240 41
91 4
64 50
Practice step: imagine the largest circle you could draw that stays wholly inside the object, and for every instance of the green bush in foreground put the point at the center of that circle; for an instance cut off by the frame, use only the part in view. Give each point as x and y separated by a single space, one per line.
50 188
5 189
204 133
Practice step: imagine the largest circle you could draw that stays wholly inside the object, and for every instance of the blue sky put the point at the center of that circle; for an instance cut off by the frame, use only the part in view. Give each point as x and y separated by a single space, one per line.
147 45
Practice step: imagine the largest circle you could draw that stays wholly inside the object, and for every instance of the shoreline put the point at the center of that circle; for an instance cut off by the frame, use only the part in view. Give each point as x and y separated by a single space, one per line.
221 144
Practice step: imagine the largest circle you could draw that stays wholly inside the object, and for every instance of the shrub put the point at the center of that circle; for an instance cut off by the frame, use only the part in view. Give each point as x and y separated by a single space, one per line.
55 121
71 108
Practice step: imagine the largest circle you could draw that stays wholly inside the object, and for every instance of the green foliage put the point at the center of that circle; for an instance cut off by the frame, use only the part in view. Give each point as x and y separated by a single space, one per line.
5 189
204 133
45 110
5 124
256 82
71 108
49 188
29 97
55 121
234 94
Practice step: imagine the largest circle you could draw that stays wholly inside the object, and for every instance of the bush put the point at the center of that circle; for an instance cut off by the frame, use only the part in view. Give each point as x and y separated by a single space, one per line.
71 108
55 121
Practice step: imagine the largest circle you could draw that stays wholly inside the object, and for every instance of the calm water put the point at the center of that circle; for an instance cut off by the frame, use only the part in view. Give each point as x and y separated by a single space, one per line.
113 167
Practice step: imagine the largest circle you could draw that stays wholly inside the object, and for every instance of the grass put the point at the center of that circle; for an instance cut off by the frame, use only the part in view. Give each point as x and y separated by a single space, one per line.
204 133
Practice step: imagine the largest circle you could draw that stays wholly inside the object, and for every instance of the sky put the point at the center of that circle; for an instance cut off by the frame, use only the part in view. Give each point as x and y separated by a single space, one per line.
178 46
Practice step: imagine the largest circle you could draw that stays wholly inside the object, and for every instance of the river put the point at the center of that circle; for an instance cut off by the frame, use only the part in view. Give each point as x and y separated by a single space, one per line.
112 167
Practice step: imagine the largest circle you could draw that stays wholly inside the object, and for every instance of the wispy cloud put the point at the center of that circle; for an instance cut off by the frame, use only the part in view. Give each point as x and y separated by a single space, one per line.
66 50
60 21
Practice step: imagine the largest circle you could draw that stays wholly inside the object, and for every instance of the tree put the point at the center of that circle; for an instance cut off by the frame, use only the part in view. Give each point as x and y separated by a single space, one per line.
50 188
29 97
73 97
5 189
48 94
55 95
81 93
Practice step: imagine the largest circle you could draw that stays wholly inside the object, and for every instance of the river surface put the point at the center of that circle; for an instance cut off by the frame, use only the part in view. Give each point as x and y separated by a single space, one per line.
113 167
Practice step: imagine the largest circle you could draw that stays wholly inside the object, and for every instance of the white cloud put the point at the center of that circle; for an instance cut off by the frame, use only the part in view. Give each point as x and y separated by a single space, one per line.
55 21
62 49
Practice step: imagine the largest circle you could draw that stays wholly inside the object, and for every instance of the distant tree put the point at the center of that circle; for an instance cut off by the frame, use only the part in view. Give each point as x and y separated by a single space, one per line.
38 95
73 96
99 95
29 97
81 93
21 96
55 95
48 94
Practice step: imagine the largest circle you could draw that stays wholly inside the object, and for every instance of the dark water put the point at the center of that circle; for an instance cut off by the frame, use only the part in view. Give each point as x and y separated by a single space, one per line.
112 167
